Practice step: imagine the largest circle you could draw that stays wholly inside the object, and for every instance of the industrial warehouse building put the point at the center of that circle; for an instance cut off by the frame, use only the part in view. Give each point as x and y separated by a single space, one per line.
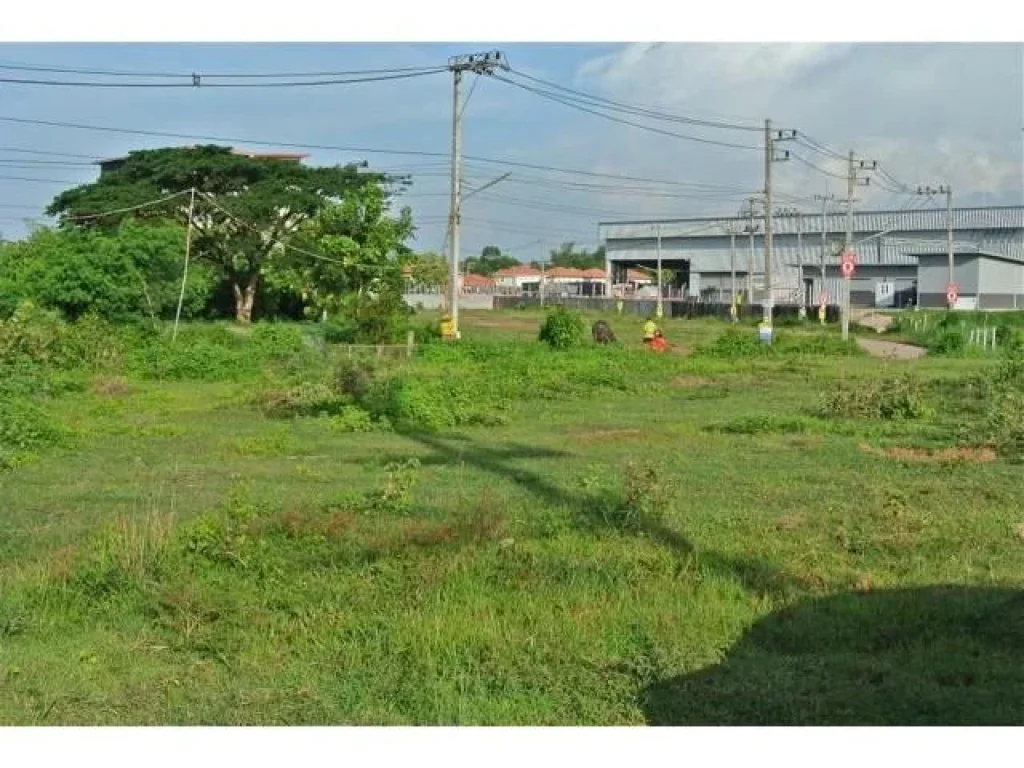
902 256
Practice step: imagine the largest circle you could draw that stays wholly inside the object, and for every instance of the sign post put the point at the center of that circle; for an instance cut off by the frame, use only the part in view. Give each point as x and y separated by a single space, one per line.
952 294
822 304
847 266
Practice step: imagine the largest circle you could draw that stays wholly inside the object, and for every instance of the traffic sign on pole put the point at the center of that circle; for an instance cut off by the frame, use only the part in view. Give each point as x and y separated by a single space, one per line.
952 293
847 269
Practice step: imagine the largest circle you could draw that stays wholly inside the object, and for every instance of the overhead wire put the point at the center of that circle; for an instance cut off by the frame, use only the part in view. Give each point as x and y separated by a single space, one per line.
196 82
220 75
336 148
650 112
574 104
24 151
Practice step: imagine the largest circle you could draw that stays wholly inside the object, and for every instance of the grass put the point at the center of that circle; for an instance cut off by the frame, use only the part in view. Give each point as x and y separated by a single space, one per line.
686 539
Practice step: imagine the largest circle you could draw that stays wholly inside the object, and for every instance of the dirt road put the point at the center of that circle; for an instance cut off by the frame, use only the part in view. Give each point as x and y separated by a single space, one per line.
890 349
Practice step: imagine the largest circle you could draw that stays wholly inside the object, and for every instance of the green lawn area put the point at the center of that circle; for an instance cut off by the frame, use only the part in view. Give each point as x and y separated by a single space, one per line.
695 547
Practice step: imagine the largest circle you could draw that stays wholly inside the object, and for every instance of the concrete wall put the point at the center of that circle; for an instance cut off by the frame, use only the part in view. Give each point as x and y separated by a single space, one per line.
434 300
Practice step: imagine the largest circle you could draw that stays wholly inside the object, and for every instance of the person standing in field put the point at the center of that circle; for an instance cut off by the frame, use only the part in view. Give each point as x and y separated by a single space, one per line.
650 330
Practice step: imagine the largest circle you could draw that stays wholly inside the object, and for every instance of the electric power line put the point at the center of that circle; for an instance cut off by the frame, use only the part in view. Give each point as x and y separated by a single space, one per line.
574 103
222 75
24 151
809 164
196 81
334 148
653 113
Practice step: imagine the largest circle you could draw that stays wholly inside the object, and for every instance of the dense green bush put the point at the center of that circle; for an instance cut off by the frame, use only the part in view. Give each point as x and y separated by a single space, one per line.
24 428
219 352
40 337
998 399
889 398
134 272
562 329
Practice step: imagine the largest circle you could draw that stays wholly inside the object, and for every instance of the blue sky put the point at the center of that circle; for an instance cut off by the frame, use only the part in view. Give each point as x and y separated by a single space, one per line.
930 113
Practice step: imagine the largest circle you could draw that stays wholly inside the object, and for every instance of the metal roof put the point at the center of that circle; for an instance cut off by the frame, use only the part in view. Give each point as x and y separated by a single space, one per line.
990 218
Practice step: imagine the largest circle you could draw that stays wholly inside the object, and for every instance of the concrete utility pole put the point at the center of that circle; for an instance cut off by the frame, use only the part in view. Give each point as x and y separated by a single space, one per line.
660 310
480 64
824 233
854 168
770 157
750 257
947 190
732 264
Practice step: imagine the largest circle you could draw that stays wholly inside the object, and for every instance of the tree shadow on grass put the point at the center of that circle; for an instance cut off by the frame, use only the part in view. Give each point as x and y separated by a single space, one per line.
592 510
929 656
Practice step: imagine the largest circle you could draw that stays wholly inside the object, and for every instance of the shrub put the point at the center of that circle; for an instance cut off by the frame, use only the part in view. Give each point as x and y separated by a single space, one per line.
562 329
353 377
733 344
646 496
352 418
999 423
891 398
24 428
305 399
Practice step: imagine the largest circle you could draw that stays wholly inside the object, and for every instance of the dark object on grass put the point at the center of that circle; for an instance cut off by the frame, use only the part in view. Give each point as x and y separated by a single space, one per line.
602 332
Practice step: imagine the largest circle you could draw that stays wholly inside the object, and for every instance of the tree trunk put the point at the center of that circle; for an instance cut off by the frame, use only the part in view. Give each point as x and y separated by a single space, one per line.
245 297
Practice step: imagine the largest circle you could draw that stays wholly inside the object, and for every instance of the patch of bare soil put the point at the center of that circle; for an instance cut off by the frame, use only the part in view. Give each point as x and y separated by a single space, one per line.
890 349
945 456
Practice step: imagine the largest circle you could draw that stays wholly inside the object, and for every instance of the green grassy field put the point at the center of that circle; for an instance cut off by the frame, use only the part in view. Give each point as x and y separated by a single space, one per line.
685 539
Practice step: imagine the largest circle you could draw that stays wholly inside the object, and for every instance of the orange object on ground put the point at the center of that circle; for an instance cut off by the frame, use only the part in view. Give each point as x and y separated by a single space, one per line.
658 344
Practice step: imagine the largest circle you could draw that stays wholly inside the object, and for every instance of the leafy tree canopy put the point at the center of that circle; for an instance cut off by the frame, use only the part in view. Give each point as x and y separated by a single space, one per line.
351 262
567 256
491 259
246 208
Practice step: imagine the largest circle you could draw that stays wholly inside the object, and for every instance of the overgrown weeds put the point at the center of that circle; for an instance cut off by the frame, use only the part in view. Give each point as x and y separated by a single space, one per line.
890 398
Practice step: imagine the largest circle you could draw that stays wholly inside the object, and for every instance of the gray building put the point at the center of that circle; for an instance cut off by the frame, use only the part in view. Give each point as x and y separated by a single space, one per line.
983 280
889 245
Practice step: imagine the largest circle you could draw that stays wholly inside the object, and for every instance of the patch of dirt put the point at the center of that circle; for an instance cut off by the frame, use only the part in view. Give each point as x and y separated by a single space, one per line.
890 349
945 456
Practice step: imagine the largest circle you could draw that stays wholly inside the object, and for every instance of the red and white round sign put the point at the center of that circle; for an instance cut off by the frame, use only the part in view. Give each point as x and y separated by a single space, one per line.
952 293
847 269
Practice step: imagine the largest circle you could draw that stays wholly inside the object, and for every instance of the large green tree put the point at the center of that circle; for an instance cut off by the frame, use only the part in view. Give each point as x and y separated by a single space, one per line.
567 256
428 269
247 209
351 263
491 259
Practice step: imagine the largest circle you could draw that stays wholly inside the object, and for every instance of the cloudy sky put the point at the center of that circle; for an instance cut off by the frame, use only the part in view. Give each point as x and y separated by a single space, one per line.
928 113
